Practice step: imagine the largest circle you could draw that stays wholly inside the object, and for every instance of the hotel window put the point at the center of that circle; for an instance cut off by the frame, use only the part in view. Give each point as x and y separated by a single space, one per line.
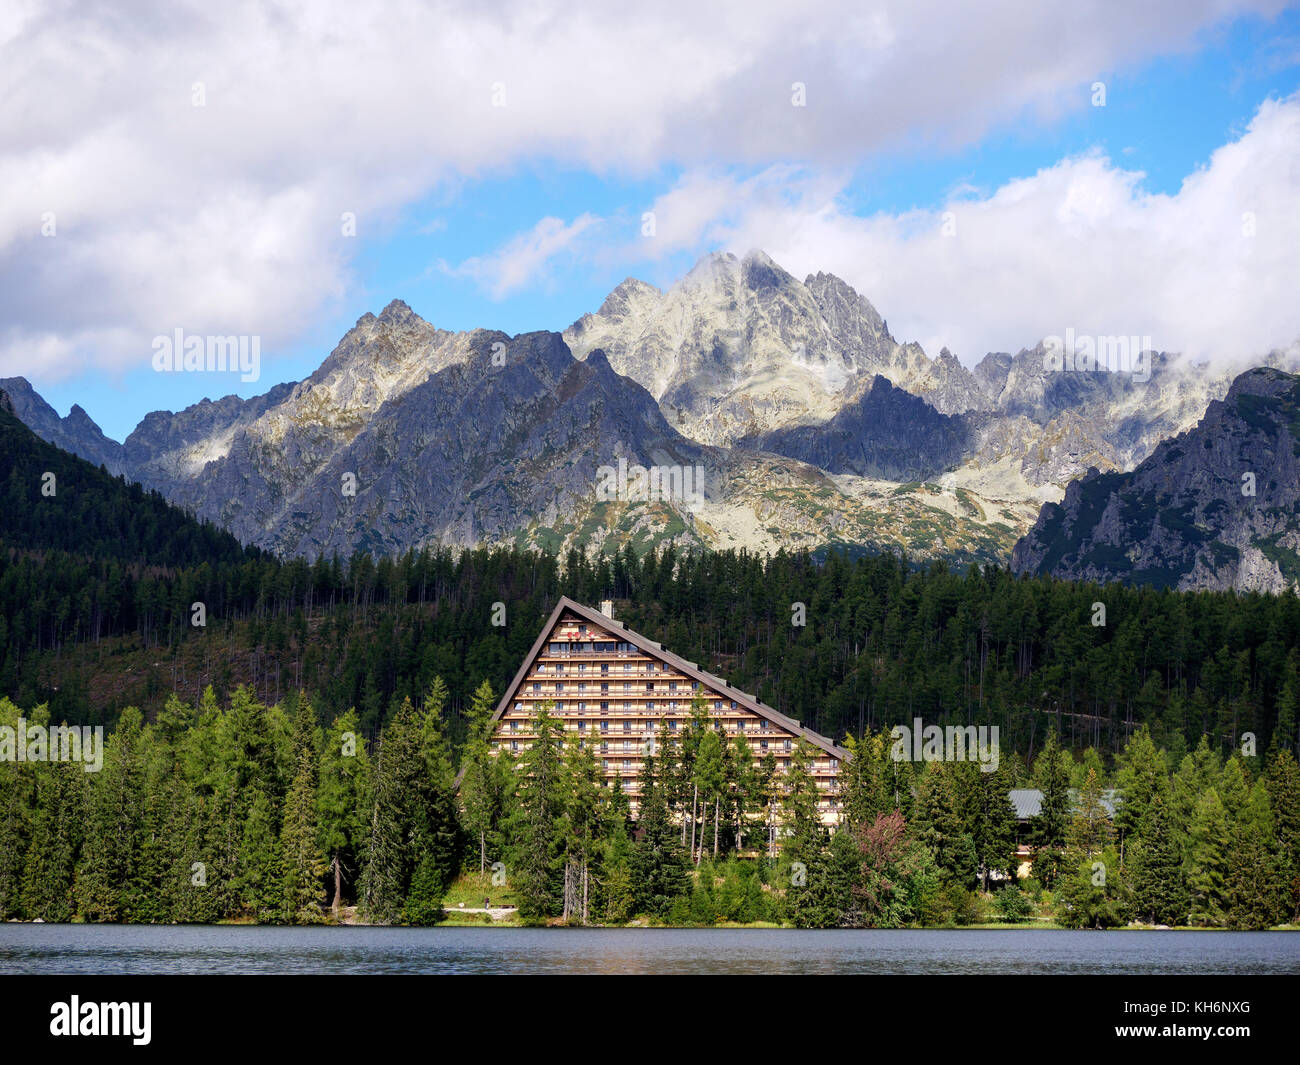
604 746
604 706
536 686
627 763
627 746
604 669
787 745
582 726
695 685
582 707
519 706
582 628
514 726
604 688
627 726
604 726
672 725
649 685
672 685
627 685
604 762
582 685
514 745
763 746
717 704
559 685
582 667
734 705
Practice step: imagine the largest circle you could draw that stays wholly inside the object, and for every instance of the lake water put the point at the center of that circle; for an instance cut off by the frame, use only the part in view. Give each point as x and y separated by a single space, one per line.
26 948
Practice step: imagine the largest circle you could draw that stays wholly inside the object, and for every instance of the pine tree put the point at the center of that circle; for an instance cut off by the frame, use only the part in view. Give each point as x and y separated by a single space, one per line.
342 803
1090 828
1284 800
302 864
1159 894
110 855
658 861
485 783
1049 830
1206 867
537 829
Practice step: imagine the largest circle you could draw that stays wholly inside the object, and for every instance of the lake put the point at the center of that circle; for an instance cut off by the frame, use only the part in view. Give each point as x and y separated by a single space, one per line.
89 949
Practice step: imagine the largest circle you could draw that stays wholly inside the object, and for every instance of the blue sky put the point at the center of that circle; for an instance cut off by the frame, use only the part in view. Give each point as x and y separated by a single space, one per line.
1166 113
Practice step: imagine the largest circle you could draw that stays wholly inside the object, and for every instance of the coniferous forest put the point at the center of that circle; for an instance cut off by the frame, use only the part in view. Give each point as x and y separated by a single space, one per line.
305 740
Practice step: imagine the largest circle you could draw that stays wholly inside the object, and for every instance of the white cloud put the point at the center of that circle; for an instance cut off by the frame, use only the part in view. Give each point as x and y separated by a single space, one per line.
1209 271
524 257
226 217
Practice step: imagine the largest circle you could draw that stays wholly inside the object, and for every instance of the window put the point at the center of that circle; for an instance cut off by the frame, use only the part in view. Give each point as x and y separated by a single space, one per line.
514 745
787 745
559 685
604 726
604 669
582 726
604 688
627 726
649 685
604 706
536 686
672 685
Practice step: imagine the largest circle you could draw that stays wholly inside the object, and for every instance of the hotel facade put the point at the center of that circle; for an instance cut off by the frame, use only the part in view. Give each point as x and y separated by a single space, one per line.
615 690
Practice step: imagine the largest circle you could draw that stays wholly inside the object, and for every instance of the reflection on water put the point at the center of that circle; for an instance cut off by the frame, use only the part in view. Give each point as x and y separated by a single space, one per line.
225 949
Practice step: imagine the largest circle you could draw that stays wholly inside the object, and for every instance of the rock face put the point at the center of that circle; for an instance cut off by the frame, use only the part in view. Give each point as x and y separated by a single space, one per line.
408 436
741 351
1215 507
881 432
739 348
799 419
76 433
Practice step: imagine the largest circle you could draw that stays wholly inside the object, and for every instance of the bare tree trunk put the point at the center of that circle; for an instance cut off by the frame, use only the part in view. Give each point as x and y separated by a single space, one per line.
695 794
482 853
338 885
584 892
704 823
715 828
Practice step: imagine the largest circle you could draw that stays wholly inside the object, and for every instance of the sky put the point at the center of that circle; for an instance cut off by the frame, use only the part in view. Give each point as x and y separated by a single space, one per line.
985 174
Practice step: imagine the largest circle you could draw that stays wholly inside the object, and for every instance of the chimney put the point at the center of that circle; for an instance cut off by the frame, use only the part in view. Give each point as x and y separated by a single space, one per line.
607 608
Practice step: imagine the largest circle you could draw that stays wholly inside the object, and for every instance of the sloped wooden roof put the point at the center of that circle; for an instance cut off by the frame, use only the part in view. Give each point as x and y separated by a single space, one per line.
655 649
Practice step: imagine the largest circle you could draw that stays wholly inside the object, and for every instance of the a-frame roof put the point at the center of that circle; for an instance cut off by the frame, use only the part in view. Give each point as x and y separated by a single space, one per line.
656 650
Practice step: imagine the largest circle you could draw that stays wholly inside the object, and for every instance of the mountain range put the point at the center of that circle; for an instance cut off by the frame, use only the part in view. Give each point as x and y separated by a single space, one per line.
789 404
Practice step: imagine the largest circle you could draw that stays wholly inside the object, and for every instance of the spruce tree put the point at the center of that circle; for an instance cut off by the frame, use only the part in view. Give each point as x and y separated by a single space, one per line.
342 803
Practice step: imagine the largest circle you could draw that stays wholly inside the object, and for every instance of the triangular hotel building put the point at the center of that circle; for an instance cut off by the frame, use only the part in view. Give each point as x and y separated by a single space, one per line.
615 688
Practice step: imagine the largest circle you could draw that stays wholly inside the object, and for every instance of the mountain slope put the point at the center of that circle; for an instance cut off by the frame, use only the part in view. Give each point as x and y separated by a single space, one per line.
76 433
1185 517
51 500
